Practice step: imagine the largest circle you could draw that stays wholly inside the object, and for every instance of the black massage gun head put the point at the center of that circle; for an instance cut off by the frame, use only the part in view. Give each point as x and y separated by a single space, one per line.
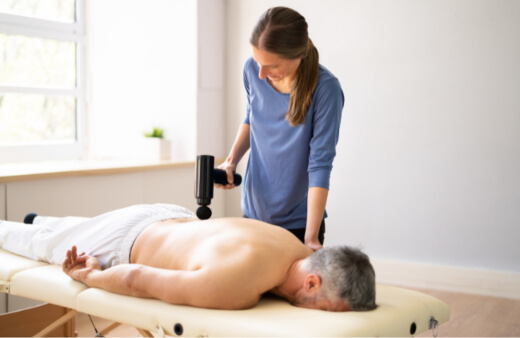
203 212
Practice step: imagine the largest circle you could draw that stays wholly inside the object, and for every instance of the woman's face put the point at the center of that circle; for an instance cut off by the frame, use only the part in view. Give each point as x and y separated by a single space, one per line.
275 68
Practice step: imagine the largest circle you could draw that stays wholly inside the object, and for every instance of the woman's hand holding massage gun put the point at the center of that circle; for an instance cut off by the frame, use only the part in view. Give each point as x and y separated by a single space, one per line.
240 147
207 177
229 168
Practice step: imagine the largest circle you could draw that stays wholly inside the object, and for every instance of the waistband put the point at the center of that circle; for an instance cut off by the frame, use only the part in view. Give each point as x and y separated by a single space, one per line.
131 236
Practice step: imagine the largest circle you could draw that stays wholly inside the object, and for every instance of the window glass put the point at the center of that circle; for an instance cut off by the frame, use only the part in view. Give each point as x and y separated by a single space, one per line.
29 118
42 89
56 10
36 61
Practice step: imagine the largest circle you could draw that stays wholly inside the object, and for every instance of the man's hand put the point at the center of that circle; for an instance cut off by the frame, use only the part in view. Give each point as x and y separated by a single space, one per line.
80 267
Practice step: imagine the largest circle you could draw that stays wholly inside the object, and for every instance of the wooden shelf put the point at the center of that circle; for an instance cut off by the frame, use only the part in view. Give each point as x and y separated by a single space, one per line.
58 169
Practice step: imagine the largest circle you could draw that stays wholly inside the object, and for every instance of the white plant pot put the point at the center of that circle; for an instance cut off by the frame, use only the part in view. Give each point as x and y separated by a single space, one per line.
154 148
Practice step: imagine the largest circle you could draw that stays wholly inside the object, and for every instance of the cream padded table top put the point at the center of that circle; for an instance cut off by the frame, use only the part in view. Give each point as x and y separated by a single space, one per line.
400 312
11 264
47 284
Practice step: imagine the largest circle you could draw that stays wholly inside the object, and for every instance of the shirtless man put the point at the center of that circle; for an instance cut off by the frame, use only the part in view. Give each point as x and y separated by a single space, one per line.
226 263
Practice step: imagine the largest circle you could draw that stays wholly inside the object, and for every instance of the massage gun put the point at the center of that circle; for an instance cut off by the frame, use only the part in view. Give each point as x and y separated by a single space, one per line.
205 177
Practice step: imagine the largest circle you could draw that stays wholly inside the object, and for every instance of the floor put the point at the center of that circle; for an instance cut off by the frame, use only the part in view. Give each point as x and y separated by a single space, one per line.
471 316
478 316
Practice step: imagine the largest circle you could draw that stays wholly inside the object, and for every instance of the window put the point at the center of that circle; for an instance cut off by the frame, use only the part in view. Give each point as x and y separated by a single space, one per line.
42 86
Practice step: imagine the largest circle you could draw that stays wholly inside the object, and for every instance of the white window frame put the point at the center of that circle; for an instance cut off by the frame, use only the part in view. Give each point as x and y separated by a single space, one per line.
72 32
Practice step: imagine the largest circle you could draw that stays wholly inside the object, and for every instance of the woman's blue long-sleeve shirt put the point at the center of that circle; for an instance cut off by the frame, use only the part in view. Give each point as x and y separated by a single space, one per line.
285 161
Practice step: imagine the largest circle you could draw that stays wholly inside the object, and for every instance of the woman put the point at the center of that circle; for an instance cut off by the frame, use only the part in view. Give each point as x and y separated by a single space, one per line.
291 127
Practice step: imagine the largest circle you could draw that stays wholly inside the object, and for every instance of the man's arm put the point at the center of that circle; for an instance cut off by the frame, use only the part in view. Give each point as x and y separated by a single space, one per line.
207 288
171 286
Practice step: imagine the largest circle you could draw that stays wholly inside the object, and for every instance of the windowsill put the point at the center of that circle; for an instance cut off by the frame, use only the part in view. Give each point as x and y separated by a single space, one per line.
56 169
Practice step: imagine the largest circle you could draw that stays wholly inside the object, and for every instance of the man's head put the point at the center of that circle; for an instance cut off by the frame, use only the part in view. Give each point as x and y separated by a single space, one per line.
338 278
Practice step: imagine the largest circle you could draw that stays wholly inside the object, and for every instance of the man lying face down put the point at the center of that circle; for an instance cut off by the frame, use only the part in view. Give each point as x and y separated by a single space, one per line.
164 252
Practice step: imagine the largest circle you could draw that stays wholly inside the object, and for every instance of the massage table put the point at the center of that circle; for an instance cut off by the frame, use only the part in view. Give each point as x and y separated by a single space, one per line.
400 312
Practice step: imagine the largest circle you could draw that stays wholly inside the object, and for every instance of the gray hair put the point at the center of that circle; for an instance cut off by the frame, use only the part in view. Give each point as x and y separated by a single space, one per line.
347 273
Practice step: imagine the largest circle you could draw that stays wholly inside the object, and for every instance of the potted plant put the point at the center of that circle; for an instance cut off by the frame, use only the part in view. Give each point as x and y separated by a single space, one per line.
156 132
156 147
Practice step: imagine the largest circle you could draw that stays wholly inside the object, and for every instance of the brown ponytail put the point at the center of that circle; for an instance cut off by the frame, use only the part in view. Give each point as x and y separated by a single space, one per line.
283 31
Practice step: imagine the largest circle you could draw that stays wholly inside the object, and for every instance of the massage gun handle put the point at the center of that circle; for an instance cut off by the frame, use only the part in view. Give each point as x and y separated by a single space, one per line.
220 177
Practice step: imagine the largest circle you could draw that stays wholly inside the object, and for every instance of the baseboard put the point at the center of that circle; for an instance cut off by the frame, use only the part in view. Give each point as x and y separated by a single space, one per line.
447 278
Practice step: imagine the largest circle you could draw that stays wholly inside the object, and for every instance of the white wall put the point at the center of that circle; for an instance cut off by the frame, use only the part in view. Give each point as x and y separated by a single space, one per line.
211 127
429 153
91 195
159 65
142 68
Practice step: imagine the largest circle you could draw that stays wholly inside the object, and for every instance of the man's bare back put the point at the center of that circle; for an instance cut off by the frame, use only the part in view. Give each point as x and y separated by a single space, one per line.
244 255
226 263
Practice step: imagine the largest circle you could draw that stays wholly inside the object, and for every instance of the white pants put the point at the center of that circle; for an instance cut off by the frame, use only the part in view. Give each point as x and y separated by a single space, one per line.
109 237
